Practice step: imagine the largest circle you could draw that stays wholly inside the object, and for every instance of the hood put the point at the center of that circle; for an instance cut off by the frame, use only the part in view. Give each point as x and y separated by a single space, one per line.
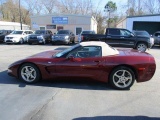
36 35
142 37
46 54
61 35
132 52
14 35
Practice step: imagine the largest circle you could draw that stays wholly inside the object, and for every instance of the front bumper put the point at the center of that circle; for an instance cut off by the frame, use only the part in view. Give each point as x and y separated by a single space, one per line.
60 41
11 41
37 41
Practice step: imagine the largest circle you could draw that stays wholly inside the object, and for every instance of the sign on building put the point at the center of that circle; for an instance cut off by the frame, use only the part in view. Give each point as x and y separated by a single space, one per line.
60 20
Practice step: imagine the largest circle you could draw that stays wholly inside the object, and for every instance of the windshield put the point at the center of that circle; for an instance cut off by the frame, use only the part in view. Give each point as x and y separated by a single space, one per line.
63 32
17 32
142 34
1 31
87 32
39 32
66 50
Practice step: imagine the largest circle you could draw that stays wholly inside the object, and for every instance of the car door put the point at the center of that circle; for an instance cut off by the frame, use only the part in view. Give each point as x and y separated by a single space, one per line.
127 38
83 62
113 37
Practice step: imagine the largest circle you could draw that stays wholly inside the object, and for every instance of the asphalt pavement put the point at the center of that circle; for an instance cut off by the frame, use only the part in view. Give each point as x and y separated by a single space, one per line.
73 100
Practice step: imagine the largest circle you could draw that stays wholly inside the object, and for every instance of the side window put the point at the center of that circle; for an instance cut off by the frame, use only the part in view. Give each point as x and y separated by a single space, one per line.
26 32
125 33
114 32
86 52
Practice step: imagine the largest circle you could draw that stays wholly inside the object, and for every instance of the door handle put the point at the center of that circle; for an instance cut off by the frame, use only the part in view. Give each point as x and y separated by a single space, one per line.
121 37
97 61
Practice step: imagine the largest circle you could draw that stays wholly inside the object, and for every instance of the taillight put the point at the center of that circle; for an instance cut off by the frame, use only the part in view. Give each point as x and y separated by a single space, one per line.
82 37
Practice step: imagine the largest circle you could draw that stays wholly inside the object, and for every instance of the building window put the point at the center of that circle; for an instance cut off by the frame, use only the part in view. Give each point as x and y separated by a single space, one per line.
51 26
42 28
78 30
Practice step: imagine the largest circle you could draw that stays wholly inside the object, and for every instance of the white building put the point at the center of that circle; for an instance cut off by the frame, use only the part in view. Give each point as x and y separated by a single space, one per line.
12 26
54 22
150 23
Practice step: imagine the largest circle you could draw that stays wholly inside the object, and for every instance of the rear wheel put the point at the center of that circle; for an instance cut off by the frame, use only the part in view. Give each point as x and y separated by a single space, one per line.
141 47
122 78
29 73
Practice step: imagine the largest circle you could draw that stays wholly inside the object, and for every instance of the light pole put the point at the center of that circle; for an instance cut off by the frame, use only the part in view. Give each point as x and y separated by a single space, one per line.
20 17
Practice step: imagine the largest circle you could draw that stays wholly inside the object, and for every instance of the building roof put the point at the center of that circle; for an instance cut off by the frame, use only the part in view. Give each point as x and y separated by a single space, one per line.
4 23
55 14
151 15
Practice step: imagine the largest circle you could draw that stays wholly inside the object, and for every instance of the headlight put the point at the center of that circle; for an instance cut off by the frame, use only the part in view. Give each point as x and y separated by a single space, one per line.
39 37
53 37
66 37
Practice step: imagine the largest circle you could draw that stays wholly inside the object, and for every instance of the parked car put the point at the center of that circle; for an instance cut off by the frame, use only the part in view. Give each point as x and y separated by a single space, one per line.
156 37
18 36
63 37
95 60
118 37
40 36
81 37
3 33
145 34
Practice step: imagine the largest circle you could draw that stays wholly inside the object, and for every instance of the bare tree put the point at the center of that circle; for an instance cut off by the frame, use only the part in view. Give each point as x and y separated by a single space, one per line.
49 5
151 6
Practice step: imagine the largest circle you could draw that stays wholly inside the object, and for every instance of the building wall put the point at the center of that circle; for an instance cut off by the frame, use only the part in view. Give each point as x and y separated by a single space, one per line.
84 22
121 24
12 26
129 22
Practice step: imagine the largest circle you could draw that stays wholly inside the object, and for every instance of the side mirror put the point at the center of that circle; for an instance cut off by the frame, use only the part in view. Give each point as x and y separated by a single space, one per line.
71 58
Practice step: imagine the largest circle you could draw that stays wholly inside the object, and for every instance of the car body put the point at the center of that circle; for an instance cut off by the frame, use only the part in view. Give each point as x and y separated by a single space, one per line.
119 37
3 33
145 34
18 36
63 37
80 37
95 60
156 37
40 37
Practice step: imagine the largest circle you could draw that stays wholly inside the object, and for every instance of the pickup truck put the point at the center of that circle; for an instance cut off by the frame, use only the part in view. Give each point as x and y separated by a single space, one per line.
118 37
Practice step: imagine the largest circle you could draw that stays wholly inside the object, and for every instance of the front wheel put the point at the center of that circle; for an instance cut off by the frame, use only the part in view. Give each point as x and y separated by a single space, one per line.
21 41
29 73
141 47
122 78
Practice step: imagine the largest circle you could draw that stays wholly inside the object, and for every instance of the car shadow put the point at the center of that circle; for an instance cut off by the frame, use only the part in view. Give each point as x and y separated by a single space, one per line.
117 118
155 47
69 83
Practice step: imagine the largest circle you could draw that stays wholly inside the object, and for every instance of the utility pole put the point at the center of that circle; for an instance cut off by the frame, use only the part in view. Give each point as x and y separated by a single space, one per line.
108 9
20 15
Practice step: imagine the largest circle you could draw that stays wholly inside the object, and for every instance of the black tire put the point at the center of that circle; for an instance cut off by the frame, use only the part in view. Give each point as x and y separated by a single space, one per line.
118 78
21 41
30 43
53 43
73 41
29 73
141 47
44 42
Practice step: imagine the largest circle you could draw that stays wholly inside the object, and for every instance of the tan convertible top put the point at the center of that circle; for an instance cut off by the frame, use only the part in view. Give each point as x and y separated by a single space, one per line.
106 49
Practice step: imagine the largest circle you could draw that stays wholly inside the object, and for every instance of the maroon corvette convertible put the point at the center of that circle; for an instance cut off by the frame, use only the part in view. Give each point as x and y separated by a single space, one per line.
95 60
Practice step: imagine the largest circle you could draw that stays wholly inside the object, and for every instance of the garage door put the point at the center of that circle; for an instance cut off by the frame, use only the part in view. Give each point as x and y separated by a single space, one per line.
150 27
